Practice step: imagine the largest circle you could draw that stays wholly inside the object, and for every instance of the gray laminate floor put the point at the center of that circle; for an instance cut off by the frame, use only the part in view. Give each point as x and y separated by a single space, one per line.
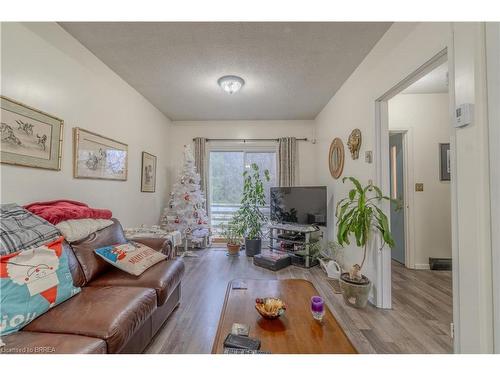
418 322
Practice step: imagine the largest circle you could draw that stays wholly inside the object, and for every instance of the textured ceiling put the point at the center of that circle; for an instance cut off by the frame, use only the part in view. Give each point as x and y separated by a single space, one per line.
291 69
435 82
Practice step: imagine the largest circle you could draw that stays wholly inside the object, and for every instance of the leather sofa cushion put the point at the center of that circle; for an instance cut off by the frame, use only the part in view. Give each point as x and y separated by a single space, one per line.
91 264
23 342
74 266
163 277
113 314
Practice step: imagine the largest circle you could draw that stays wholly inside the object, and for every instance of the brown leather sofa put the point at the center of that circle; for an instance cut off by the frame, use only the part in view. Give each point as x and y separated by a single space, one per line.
115 312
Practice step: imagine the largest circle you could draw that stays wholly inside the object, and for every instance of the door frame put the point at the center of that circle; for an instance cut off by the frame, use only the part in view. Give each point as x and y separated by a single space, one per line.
409 197
493 77
381 160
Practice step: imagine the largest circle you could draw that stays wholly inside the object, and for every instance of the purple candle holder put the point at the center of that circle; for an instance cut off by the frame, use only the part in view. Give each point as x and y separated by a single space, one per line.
317 307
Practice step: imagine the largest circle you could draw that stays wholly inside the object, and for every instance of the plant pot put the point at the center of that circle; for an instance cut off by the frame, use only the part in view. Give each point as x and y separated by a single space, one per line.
355 293
252 247
233 249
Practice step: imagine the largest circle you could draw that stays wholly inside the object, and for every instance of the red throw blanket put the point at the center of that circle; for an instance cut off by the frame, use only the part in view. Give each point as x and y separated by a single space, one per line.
60 210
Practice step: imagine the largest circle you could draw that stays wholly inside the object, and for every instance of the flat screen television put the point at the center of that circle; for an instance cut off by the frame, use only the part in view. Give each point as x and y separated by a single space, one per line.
299 204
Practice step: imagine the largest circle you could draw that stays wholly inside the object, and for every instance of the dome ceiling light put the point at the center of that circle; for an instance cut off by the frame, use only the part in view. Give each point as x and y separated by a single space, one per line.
231 84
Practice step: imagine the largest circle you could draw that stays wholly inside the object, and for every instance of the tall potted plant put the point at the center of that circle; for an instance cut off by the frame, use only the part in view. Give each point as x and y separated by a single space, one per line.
359 215
249 215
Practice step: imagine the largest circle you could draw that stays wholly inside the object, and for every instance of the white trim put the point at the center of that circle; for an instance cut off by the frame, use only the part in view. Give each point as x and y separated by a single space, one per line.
381 159
455 258
430 65
422 266
493 81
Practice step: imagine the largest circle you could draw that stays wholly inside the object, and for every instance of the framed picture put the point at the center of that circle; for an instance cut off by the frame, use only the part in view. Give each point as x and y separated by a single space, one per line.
98 157
444 162
148 174
30 137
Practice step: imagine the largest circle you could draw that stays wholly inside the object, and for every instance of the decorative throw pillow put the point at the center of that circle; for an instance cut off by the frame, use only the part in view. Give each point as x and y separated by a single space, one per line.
31 282
131 257
74 230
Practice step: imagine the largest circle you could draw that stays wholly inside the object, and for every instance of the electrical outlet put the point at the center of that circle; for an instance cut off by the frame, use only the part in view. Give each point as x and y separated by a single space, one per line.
419 186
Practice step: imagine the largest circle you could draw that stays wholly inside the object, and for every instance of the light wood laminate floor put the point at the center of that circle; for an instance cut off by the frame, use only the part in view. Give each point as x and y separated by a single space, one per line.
418 322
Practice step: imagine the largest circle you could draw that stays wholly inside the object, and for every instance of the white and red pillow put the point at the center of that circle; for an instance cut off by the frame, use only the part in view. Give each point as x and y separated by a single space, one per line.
31 282
131 257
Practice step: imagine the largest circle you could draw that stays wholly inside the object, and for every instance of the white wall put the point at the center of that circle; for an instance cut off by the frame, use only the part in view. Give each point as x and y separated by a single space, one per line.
426 116
184 131
473 289
402 49
46 68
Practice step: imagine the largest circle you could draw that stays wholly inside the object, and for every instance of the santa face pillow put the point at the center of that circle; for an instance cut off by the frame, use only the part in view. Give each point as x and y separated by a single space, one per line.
31 282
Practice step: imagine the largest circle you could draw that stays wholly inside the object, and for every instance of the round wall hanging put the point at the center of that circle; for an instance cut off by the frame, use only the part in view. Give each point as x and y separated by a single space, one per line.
336 158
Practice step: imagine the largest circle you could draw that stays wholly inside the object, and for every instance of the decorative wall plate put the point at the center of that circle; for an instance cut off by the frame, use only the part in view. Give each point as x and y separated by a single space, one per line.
336 158
354 143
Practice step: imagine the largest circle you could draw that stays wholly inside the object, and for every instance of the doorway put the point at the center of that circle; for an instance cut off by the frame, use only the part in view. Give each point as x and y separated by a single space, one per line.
383 294
419 178
397 191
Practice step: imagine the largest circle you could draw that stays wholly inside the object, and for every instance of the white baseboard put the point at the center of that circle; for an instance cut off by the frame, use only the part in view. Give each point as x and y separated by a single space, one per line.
422 266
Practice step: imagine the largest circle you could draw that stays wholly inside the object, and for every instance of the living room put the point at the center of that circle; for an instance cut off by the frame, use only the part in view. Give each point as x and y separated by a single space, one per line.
228 187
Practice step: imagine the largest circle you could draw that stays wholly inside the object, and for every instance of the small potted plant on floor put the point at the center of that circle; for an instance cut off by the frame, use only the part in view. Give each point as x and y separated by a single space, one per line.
249 217
233 240
359 215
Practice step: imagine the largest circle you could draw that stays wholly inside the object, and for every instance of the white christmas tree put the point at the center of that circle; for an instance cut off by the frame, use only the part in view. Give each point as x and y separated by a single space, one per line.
186 210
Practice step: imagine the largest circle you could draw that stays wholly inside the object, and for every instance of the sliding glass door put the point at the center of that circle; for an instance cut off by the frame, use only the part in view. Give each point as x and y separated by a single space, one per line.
226 181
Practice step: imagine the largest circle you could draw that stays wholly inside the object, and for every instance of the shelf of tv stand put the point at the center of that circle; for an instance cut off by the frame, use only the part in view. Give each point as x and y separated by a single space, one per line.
280 250
301 242
297 228
307 230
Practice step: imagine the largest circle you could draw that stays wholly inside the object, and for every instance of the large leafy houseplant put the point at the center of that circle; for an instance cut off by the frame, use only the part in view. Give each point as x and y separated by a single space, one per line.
359 215
249 216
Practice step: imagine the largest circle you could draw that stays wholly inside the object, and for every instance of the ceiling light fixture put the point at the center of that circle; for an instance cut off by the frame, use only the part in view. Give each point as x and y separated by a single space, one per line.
231 84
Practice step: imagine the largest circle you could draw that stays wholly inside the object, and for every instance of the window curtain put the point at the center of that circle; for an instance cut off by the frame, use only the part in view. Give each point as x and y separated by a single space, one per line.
200 156
287 161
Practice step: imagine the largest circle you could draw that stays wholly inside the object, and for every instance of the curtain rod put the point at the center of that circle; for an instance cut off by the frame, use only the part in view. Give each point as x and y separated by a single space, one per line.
247 139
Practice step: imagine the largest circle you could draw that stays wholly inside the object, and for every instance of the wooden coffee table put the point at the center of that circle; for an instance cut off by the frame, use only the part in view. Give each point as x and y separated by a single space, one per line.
295 332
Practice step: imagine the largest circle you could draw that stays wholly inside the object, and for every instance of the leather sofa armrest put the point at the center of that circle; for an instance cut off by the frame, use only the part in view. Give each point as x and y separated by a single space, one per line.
162 245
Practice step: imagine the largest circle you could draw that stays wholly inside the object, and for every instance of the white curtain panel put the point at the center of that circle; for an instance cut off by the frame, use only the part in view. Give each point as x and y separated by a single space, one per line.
200 161
287 161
